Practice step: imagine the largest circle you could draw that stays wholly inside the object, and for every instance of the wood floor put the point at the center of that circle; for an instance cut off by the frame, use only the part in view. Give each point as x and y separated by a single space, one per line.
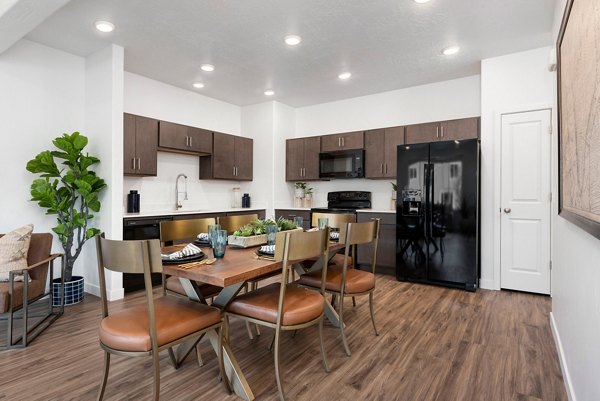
435 344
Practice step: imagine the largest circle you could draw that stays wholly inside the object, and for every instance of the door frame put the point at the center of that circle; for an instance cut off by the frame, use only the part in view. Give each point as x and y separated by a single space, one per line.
498 181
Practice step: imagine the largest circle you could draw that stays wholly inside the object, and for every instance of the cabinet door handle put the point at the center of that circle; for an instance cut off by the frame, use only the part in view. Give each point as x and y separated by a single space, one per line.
191 141
133 163
343 142
381 168
303 171
339 142
139 163
442 131
437 132
386 168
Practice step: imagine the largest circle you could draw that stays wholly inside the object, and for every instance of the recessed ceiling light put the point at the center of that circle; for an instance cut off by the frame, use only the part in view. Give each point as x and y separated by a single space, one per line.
421 1
269 92
198 85
344 75
207 67
449 51
292 40
105 26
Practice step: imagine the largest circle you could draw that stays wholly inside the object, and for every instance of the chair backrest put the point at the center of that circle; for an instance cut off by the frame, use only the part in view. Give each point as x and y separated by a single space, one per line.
128 257
360 233
233 223
295 246
336 220
183 230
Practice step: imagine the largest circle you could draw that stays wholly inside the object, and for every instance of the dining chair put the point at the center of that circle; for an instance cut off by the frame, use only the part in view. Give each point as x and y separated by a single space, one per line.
18 295
336 222
347 282
157 324
176 232
233 223
284 306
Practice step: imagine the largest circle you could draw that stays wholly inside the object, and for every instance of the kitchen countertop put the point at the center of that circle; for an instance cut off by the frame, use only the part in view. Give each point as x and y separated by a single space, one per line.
184 212
375 211
293 208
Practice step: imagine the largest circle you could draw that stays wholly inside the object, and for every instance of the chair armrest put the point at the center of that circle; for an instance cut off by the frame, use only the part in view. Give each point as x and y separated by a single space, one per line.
40 263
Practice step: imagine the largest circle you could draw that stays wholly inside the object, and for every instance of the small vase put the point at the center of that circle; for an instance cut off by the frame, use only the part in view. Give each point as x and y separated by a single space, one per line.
308 201
393 200
299 192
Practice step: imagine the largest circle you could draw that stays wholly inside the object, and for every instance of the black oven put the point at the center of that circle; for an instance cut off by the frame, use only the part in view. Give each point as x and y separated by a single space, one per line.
342 164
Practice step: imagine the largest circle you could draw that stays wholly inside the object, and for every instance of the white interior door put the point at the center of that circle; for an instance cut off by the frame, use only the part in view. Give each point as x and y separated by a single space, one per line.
526 199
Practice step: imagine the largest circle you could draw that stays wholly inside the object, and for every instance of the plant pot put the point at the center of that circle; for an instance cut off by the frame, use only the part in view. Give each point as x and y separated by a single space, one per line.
73 291
299 193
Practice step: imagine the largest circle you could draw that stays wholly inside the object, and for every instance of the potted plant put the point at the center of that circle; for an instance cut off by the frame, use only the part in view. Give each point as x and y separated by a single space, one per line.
308 192
254 233
69 191
299 189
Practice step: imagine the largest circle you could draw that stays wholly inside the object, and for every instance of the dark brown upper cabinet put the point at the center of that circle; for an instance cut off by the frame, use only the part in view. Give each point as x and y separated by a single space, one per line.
232 159
302 159
465 128
344 141
181 138
380 151
140 143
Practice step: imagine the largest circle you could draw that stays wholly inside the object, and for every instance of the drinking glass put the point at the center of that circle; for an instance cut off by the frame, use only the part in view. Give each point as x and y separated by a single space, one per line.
211 229
271 230
298 221
219 243
323 223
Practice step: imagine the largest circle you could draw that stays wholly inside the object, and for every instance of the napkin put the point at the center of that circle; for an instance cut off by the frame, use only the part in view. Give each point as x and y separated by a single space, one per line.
189 250
269 249
203 237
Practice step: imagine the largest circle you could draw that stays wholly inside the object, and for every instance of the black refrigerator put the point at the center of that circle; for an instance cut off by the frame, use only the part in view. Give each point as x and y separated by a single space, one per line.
437 216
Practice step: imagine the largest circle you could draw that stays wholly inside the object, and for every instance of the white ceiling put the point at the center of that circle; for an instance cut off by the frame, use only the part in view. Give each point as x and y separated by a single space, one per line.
386 44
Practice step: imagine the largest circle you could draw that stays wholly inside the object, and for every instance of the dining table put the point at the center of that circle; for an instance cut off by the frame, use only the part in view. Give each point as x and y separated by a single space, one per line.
231 273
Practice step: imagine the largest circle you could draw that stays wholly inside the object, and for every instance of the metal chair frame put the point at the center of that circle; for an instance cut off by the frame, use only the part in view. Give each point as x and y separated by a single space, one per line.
144 257
354 234
292 247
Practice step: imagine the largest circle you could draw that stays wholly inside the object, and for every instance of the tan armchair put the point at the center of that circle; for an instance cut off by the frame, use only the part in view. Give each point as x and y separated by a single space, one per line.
18 296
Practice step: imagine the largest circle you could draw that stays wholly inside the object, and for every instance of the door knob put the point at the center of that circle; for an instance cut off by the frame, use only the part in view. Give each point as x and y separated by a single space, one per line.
507 210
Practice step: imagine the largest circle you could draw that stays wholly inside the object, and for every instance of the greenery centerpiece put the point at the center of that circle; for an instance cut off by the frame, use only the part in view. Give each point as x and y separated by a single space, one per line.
254 233
70 191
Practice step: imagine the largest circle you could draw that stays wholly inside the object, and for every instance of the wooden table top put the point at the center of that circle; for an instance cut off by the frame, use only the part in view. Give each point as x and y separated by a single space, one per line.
238 265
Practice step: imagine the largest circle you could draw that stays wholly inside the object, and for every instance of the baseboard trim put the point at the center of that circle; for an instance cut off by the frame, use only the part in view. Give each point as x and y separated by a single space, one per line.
113 295
486 284
562 359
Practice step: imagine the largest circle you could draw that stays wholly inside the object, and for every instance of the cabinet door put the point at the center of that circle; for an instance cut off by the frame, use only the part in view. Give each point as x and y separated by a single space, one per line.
422 133
291 213
223 156
146 144
129 158
466 128
294 159
353 140
374 153
393 137
331 143
243 158
200 140
312 147
173 136
386 247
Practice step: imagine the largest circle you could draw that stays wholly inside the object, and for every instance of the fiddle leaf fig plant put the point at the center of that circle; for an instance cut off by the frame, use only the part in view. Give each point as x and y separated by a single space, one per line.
68 189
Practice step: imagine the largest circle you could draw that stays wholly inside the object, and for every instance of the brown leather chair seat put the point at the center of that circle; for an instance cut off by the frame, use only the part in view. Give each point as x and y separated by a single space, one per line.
35 288
301 305
129 330
357 281
173 284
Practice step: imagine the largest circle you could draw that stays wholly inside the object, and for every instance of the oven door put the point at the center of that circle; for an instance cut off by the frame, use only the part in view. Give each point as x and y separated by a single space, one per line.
342 164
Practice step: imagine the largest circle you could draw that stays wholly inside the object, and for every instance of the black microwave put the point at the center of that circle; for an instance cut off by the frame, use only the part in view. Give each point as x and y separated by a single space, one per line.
342 164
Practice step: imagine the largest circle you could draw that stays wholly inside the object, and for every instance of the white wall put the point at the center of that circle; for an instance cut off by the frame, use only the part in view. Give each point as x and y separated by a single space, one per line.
42 96
516 82
150 98
104 128
576 296
446 100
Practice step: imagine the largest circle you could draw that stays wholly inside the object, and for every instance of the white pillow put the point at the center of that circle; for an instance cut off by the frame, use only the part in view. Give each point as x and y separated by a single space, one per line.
14 247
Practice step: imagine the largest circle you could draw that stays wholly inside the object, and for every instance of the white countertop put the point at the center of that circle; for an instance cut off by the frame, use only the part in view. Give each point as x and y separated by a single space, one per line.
183 212
293 208
375 211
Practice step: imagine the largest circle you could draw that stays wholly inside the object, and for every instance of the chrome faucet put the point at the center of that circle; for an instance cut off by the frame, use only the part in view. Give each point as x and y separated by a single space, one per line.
177 192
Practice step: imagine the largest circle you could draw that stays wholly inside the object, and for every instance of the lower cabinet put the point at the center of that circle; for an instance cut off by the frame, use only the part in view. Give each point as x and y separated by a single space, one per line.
386 249
291 213
261 213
